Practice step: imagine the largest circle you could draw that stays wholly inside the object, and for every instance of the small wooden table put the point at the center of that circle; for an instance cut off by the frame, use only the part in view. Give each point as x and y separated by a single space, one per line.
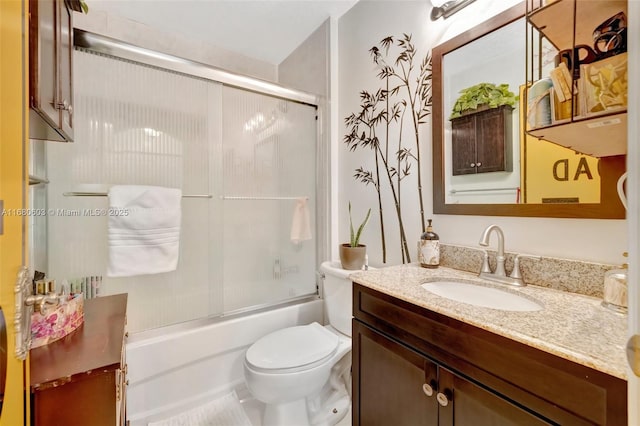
80 379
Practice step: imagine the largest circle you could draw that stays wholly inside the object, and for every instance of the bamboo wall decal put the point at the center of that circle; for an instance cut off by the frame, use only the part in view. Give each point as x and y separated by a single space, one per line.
403 92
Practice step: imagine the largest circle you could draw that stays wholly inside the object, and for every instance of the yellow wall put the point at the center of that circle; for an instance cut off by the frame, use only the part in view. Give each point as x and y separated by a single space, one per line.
559 173
13 106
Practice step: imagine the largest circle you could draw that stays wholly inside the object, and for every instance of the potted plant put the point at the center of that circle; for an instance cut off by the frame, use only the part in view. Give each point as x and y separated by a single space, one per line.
482 96
352 254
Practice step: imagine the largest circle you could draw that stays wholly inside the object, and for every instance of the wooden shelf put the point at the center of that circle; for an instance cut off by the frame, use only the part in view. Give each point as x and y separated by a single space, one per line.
555 20
600 136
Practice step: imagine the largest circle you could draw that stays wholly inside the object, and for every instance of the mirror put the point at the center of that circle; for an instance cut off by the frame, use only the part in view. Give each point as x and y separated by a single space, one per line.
524 176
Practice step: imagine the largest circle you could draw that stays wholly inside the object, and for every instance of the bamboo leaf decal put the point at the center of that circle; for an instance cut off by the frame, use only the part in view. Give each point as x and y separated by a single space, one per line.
405 94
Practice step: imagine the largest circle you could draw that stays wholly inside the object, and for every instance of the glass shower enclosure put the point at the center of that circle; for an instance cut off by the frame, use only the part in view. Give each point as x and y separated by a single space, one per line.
245 161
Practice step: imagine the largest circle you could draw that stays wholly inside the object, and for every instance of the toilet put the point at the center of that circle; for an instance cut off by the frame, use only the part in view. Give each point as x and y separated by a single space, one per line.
303 373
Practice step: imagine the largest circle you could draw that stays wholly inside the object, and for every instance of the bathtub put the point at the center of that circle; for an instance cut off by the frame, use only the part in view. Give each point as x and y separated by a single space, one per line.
175 368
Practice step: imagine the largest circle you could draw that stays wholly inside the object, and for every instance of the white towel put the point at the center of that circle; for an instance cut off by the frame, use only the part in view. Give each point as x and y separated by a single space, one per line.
144 230
300 224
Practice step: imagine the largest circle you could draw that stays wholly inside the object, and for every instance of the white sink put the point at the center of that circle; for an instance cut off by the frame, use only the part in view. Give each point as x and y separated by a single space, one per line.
487 297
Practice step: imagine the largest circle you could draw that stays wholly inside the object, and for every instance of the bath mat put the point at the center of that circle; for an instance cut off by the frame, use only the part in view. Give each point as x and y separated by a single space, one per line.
224 411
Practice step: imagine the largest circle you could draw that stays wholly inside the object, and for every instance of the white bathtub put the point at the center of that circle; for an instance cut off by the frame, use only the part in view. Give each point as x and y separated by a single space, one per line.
178 367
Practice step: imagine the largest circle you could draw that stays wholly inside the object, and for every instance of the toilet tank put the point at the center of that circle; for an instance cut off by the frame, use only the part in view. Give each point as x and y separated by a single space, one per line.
338 294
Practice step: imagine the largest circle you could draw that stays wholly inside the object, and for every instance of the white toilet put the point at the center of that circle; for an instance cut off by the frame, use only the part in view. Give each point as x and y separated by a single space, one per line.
302 373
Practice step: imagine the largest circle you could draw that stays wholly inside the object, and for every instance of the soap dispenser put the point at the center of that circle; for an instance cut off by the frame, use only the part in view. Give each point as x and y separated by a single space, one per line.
429 248
615 289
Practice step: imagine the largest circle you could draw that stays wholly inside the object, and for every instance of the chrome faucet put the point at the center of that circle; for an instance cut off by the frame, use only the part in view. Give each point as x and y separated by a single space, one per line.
484 241
500 275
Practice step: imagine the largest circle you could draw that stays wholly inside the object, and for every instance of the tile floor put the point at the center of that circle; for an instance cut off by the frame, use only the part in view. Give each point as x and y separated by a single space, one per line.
254 408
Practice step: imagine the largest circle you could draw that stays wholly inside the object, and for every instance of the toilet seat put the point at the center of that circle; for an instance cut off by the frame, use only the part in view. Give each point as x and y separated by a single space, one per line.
292 349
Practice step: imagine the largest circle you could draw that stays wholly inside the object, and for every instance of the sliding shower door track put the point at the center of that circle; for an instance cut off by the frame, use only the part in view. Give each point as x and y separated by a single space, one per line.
119 49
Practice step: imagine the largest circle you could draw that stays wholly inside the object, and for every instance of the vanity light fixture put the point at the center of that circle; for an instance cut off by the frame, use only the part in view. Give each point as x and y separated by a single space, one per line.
447 8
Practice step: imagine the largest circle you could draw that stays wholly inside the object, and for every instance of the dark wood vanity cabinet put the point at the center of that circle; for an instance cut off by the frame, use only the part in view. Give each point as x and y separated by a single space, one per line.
481 142
50 69
402 387
414 367
80 380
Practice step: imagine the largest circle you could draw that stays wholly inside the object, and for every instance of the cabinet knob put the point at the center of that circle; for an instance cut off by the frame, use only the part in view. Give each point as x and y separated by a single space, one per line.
472 165
443 399
478 164
427 389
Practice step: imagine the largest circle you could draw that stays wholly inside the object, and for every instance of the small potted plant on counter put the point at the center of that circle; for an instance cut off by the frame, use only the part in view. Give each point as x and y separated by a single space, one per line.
352 254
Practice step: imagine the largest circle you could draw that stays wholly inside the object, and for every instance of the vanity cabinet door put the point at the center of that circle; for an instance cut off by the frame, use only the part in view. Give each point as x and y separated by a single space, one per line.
464 403
389 382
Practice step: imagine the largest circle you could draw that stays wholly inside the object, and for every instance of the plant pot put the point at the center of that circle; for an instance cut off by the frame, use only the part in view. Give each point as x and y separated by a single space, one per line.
352 258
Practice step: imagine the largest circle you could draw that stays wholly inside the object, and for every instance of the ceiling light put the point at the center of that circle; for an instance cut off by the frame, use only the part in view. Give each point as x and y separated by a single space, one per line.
447 8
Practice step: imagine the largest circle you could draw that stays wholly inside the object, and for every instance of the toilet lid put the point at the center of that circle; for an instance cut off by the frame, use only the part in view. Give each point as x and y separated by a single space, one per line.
293 347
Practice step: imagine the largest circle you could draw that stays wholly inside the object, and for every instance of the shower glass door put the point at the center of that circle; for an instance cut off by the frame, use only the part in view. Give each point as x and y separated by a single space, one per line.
269 192
254 154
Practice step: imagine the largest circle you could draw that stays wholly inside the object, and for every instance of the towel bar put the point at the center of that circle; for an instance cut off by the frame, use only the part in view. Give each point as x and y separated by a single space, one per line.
261 198
104 194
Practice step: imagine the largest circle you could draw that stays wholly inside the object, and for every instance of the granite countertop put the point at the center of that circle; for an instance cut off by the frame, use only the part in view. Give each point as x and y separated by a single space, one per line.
570 325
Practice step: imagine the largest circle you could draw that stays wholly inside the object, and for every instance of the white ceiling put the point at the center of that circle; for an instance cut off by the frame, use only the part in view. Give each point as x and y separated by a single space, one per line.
268 30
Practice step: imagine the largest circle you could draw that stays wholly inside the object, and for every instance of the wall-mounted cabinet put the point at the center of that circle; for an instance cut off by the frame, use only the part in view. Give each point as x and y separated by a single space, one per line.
50 69
481 142
589 37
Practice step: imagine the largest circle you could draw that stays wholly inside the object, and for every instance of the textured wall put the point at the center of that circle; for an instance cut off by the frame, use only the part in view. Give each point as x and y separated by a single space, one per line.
363 27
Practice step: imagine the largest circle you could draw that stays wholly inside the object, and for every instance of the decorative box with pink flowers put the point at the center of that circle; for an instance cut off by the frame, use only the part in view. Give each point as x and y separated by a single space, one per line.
57 322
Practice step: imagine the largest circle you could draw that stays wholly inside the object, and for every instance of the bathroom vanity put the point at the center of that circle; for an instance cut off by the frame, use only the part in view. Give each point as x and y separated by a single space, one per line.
420 359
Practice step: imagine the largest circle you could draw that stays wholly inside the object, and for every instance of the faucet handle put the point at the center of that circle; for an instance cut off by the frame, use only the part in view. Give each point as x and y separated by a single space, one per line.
516 273
485 263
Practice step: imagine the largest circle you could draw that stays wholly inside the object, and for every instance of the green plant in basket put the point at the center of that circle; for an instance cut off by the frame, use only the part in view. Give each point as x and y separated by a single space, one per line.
483 94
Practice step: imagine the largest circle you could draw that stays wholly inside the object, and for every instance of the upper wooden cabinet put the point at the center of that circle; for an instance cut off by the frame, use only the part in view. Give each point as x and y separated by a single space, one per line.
481 142
50 69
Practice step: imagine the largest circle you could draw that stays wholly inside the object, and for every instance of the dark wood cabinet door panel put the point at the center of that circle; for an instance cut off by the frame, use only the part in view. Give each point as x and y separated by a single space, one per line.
471 405
463 149
389 379
494 141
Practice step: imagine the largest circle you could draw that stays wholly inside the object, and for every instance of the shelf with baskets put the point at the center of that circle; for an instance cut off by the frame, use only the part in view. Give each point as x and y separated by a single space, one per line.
581 103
